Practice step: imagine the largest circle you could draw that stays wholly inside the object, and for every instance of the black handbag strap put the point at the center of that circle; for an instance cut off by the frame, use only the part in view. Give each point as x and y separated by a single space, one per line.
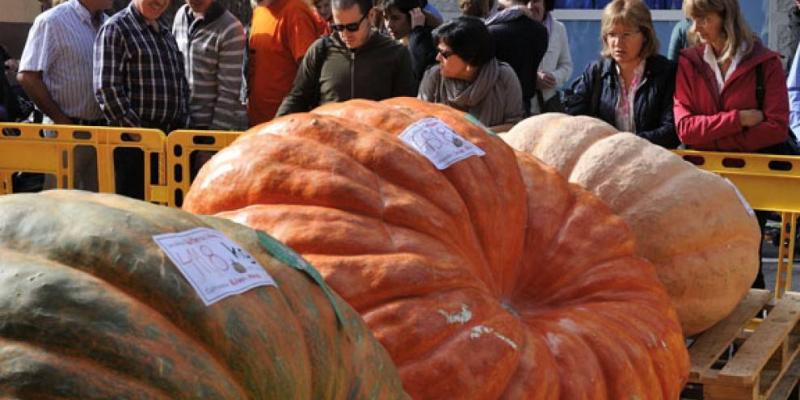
760 86
596 90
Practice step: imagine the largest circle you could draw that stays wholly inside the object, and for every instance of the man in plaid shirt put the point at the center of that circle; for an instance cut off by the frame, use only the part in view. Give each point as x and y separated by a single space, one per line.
139 82
138 70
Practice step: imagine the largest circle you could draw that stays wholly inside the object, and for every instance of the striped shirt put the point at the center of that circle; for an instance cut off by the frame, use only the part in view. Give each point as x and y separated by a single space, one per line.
213 50
138 73
60 45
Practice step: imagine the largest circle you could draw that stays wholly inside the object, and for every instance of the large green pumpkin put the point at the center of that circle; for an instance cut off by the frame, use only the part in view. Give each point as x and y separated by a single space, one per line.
91 308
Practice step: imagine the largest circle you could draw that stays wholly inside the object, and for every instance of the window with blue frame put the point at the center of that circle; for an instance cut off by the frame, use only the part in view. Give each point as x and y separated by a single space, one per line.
598 4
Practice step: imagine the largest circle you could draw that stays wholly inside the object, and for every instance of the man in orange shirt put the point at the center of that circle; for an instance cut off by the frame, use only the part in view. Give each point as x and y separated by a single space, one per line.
281 32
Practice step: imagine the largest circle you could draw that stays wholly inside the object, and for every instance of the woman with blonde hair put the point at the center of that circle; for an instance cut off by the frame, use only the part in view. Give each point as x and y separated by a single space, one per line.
723 100
631 85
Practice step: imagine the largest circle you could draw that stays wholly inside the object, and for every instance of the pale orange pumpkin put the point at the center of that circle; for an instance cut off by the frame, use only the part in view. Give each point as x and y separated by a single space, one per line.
493 278
690 223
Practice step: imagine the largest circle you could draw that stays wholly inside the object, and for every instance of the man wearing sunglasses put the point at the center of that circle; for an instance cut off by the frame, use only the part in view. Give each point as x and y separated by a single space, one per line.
353 62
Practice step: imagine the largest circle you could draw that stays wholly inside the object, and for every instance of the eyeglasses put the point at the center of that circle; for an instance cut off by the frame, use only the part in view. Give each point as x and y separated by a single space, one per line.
352 27
622 36
445 53
700 20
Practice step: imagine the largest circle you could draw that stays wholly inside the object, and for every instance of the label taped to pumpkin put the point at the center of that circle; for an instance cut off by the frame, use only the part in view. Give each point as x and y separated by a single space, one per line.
214 265
438 142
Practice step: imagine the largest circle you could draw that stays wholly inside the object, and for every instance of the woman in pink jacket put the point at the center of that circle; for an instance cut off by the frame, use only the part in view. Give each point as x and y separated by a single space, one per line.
716 101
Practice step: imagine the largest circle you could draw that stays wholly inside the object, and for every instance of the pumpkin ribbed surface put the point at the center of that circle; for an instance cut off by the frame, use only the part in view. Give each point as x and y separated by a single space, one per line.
91 308
493 278
690 223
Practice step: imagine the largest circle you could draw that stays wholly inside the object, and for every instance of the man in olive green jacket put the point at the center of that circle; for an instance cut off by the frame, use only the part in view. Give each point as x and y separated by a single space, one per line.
354 62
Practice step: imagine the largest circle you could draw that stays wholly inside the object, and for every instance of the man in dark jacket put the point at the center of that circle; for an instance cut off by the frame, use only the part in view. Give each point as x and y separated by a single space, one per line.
520 41
354 62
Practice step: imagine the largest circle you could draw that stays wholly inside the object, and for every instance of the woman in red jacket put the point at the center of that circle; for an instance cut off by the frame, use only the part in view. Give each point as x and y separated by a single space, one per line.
716 105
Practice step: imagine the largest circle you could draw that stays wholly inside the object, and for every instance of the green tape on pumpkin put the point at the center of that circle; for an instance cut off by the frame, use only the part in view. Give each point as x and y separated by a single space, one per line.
471 118
289 257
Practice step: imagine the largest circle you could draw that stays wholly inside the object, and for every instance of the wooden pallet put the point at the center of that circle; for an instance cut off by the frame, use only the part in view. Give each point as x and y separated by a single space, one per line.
745 357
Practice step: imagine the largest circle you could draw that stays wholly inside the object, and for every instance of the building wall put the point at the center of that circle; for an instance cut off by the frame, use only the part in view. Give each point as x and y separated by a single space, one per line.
15 21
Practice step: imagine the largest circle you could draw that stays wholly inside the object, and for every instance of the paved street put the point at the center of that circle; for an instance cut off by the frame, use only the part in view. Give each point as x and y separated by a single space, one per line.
771 266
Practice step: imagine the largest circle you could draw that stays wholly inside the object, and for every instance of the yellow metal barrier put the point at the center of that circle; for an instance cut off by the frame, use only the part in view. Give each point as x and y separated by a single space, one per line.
187 151
68 154
768 182
81 156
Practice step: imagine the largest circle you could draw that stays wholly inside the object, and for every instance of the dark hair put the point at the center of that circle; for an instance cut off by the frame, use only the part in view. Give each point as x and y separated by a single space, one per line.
475 8
363 5
549 5
404 6
468 38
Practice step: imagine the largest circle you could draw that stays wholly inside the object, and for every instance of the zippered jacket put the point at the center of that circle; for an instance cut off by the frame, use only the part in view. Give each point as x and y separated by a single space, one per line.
709 120
331 72
652 104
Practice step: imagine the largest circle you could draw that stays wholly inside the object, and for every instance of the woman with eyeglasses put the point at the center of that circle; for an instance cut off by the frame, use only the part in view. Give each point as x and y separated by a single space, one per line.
730 94
469 77
407 22
717 105
630 86
353 62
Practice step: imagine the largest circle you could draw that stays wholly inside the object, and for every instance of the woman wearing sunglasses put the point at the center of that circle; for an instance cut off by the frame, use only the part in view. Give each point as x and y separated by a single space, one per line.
353 62
469 77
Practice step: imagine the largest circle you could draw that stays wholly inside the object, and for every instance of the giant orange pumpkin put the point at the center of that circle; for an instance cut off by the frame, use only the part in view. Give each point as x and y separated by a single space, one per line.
91 308
690 223
493 278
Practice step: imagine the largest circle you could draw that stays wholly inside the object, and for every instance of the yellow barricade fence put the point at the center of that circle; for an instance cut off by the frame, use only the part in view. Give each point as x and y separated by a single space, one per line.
84 157
81 157
768 182
187 151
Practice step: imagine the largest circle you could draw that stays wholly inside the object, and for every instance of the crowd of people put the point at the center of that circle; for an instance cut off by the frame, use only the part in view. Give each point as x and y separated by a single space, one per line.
206 70
501 62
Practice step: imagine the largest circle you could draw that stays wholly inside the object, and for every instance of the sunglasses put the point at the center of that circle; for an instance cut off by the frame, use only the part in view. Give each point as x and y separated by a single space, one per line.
352 27
445 53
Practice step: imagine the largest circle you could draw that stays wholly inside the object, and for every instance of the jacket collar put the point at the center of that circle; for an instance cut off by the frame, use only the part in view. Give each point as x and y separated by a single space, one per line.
653 66
757 55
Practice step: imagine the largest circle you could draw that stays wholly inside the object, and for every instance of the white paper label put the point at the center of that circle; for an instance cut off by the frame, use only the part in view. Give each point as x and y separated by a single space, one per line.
742 199
214 265
438 142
